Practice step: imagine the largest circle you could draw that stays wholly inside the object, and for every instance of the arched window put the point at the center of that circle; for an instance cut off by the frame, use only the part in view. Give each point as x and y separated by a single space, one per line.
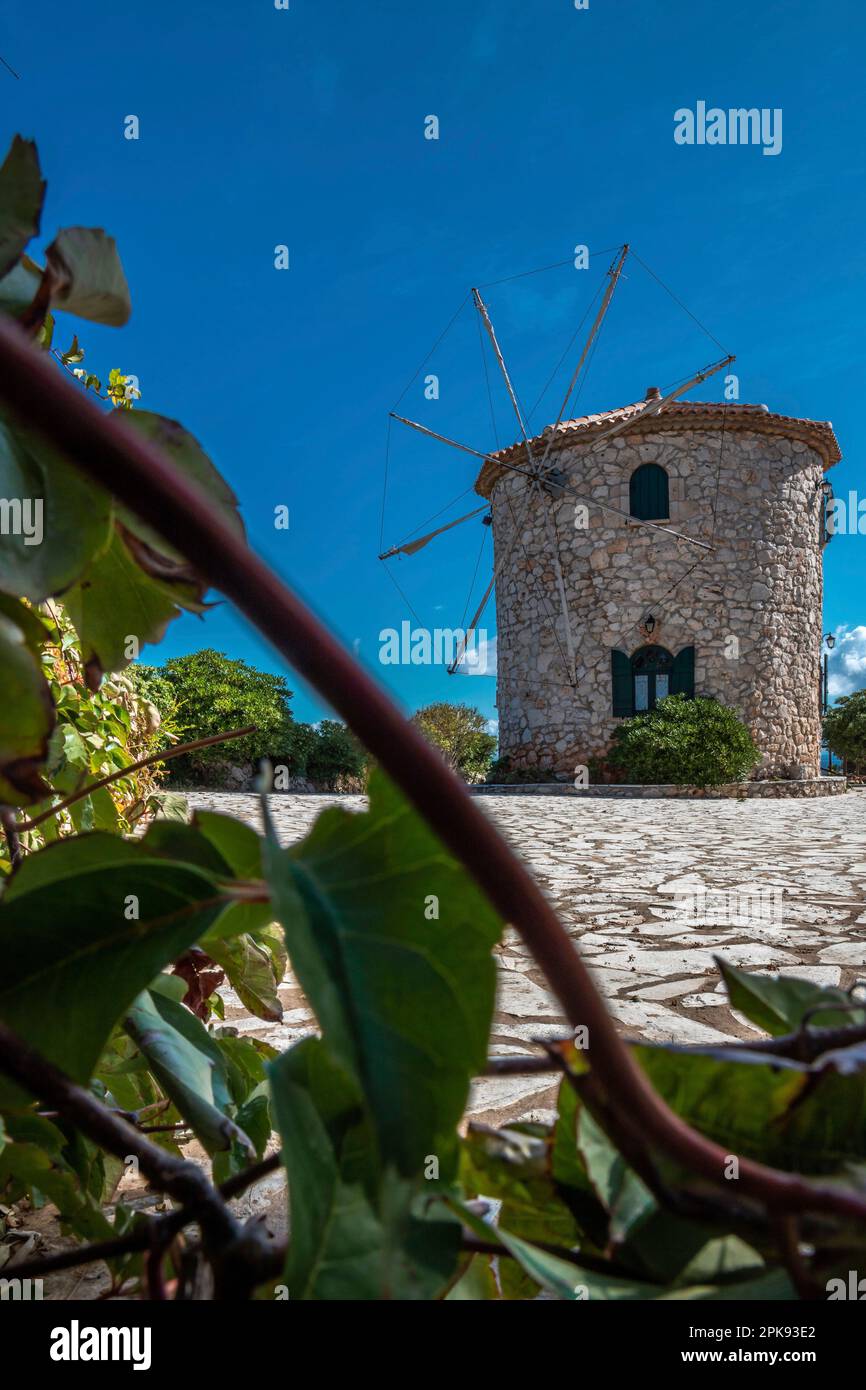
648 494
641 680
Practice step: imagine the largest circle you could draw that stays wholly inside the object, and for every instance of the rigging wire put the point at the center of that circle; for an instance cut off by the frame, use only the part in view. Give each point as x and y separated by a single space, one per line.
415 615
683 306
549 615
485 530
539 270
423 364
719 473
571 343
385 487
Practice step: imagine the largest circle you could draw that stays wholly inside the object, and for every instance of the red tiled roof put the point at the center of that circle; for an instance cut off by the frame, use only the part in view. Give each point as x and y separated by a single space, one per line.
678 415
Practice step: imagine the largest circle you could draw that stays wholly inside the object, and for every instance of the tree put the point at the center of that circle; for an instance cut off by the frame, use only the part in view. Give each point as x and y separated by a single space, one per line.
460 731
335 753
845 728
689 742
213 693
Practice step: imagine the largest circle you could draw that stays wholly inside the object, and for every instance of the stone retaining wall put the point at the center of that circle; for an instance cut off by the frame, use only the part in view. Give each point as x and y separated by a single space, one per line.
810 786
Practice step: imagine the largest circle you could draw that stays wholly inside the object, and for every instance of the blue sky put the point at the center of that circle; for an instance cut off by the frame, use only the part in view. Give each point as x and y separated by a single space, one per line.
305 127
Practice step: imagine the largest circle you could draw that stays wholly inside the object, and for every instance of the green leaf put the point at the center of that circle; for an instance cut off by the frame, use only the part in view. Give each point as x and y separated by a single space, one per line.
250 973
627 1199
76 955
186 454
74 353
355 1233
64 523
27 1168
565 1280
777 1003
771 1109
22 191
237 843
512 1167
188 1065
26 719
115 601
87 278
382 976
27 620
20 287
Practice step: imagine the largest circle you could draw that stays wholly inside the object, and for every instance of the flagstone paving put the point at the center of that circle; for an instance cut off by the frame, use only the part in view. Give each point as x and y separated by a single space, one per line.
627 879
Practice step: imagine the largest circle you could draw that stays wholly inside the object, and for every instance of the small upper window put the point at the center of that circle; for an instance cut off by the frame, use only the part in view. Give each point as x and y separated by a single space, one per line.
648 493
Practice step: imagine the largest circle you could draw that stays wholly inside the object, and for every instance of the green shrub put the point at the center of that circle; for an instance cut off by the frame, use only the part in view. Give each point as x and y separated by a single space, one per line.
845 728
689 742
501 773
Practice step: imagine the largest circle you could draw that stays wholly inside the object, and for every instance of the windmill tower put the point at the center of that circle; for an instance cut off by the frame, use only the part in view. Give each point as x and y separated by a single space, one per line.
605 606
661 547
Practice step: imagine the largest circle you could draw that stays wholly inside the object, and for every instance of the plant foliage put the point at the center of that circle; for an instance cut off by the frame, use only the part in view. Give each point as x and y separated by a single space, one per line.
691 742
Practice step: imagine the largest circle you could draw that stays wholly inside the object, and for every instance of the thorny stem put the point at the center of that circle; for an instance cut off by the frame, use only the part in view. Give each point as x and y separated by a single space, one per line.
163 757
138 474
142 1239
182 1180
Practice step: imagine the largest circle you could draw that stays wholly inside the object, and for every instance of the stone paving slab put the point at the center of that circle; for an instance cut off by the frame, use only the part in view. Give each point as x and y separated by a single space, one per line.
650 890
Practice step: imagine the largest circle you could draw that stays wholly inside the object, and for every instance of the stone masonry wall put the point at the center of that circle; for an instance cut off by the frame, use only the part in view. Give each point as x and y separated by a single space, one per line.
752 609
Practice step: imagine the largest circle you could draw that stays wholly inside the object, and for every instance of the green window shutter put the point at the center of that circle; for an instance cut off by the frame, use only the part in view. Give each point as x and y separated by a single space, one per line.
683 673
648 492
620 672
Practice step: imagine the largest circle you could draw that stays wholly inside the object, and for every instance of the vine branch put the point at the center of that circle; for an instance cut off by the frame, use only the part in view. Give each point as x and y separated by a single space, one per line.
163 757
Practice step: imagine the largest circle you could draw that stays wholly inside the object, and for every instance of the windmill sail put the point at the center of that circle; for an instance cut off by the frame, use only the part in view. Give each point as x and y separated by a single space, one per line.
410 547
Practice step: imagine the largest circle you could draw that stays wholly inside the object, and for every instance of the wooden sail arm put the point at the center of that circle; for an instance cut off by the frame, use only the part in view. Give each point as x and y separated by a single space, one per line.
497 570
654 407
472 626
482 309
443 438
410 547
614 273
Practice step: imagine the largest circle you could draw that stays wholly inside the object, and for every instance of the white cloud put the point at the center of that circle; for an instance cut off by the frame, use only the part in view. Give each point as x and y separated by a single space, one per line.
480 658
847 664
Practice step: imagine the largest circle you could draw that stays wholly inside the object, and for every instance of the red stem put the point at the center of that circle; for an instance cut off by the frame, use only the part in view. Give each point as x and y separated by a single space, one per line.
136 473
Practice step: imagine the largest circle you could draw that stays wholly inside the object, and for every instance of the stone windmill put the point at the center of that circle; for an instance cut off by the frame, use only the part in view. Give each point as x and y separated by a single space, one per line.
659 547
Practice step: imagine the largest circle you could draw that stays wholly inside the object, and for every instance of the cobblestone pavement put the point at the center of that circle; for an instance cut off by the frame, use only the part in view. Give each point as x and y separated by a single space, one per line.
650 890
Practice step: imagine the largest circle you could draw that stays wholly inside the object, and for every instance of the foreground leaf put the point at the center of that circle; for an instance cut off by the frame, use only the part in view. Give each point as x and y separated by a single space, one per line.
75 955
26 719
356 1232
64 520
404 999
189 1067
777 1003
186 454
87 278
116 609
22 191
